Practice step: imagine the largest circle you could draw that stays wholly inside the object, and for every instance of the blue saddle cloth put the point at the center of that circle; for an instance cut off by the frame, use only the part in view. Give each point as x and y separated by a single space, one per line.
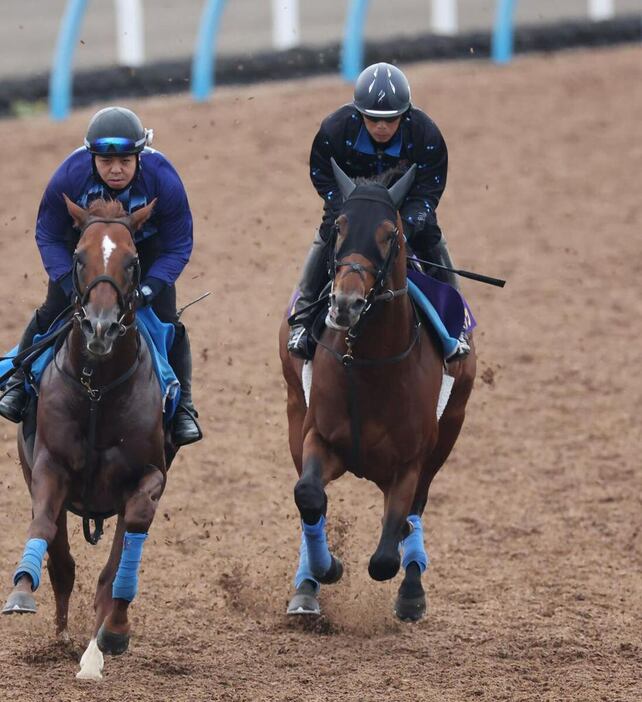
444 307
159 337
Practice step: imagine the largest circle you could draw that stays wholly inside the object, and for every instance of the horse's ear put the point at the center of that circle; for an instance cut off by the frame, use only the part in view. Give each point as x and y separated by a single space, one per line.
77 213
346 185
400 189
141 216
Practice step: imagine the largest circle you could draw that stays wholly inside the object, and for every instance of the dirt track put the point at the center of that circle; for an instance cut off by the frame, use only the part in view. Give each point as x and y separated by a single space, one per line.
535 586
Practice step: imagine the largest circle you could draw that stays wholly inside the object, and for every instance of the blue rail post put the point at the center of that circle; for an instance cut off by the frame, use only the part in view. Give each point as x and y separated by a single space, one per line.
204 60
61 73
502 47
352 50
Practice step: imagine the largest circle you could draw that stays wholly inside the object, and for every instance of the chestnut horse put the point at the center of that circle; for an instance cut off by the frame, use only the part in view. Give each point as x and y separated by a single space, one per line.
100 447
372 401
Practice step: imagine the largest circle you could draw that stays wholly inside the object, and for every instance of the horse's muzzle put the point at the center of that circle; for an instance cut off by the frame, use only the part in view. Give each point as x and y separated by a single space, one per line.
345 310
100 334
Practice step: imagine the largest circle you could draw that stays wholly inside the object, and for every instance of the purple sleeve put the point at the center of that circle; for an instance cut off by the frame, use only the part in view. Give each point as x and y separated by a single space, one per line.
52 225
175 227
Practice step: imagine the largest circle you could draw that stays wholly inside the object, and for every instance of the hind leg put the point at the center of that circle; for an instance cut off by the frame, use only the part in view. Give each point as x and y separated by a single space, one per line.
62 573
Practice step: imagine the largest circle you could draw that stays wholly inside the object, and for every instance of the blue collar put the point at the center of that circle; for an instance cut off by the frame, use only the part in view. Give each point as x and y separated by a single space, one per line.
365 146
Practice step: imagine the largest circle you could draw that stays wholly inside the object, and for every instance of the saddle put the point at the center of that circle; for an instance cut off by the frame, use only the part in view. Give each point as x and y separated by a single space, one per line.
441 307
158 336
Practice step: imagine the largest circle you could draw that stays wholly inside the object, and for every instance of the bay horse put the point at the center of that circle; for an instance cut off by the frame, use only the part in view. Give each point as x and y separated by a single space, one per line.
372 411
99 447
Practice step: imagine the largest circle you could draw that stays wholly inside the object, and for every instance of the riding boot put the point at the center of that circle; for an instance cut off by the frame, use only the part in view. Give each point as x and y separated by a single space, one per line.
313 279
438 253
185 428
15 399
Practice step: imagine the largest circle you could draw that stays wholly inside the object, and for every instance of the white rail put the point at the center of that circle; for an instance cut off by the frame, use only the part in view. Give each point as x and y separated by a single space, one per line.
285 24
130 37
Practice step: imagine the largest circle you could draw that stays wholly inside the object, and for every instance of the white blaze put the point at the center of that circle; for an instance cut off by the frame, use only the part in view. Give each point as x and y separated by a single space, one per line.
108 247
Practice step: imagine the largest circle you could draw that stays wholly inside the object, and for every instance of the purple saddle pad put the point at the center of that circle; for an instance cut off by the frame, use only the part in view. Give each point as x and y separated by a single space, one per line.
449 304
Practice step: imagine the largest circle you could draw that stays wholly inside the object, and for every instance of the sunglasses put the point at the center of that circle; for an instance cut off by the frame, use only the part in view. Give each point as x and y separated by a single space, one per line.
387 120
115 145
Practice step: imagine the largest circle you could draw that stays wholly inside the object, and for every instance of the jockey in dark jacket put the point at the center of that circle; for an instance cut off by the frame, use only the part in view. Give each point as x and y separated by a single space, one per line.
116 162
378 131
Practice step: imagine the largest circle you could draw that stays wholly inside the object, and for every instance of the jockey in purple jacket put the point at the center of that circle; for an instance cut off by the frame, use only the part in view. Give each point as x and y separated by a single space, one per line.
117 162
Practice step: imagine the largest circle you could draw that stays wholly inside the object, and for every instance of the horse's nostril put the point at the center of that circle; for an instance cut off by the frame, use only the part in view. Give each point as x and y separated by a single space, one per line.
359 304
113 330
87 326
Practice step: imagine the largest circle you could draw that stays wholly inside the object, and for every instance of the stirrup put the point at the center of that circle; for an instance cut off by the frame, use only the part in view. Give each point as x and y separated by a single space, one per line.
462 350
298 342
192 415
13 408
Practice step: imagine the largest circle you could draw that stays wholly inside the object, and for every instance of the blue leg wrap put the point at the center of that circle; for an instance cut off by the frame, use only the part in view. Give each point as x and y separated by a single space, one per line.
303 571
319 558
413 545
31 563
126 580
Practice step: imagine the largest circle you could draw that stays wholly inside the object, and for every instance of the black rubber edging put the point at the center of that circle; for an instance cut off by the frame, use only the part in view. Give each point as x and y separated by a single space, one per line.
174 76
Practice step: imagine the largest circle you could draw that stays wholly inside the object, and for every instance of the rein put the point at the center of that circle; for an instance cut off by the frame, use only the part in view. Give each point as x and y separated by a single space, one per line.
347 359
84 384
122 303
95 395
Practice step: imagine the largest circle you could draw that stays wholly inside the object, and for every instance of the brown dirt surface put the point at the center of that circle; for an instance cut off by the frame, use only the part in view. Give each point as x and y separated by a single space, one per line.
535 587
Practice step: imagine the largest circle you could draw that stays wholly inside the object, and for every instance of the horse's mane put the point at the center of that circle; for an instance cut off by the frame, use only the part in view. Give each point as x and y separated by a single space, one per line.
106 208
384 178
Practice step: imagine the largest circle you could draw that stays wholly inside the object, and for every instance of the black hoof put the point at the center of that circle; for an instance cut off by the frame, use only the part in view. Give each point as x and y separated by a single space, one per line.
304 600
410 609
384 567
333 574
111 643
20 603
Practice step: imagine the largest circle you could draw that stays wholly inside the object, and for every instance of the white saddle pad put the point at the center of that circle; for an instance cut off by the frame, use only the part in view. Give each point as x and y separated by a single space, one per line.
447 383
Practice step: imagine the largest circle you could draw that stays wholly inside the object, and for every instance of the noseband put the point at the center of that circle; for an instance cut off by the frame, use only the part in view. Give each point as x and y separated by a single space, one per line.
376 292
126 300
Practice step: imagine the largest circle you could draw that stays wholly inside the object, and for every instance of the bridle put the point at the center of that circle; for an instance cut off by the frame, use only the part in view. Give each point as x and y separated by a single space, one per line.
126 304
126 300
377 293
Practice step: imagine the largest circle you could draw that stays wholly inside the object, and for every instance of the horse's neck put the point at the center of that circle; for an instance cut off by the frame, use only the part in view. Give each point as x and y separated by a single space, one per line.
121 359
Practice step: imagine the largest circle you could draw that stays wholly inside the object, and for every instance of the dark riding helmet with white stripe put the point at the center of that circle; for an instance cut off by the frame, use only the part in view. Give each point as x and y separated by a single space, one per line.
381 90
116 131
